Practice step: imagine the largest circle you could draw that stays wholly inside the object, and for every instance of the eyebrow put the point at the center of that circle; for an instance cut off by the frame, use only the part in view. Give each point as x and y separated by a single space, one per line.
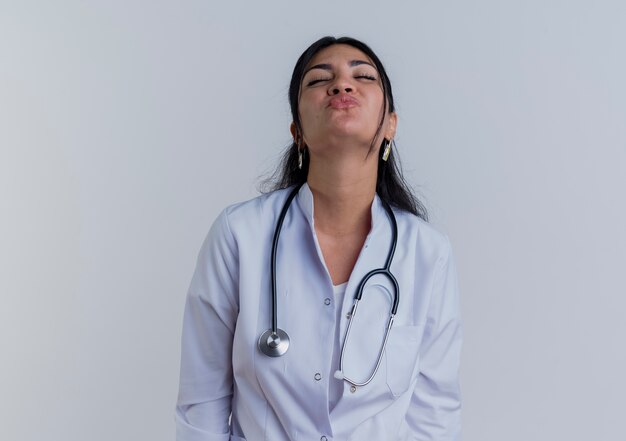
327 66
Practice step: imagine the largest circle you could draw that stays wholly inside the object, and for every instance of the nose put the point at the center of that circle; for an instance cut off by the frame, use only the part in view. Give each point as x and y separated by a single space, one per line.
335 90
341 84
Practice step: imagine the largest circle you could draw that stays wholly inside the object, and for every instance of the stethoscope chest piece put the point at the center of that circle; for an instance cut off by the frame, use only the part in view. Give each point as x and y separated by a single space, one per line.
274 344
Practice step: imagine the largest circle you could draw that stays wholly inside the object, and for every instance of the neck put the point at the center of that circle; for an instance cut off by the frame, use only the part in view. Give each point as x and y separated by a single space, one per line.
343 190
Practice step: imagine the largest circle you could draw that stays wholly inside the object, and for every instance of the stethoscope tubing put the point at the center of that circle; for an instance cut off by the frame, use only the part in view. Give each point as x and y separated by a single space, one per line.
279 226
385 271
274 342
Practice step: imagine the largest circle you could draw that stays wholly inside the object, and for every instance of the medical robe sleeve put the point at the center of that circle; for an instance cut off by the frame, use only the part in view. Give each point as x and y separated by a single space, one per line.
206 380
435 410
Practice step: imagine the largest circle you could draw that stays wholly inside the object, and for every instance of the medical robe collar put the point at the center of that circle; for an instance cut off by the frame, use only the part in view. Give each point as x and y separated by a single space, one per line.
305 202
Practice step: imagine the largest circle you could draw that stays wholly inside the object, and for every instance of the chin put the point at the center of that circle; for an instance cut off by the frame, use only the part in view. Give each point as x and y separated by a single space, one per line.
357 134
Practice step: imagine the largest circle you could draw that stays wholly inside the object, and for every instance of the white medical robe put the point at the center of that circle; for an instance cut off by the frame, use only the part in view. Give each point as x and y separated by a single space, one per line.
415 394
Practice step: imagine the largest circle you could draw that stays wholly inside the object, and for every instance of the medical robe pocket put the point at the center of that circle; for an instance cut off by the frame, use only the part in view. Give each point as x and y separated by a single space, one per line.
402 357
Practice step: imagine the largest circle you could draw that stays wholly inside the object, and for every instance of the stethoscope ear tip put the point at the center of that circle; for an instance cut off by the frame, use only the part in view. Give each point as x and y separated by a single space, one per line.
339 375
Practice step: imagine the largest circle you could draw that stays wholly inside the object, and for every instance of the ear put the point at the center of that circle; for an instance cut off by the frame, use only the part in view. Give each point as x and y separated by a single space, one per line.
390 133
292 129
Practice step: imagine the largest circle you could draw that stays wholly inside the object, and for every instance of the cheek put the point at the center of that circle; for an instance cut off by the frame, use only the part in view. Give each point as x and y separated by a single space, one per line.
305 111
305 118
379 104
309 113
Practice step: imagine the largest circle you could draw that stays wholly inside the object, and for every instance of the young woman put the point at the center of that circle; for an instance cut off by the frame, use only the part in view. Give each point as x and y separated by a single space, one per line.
328 308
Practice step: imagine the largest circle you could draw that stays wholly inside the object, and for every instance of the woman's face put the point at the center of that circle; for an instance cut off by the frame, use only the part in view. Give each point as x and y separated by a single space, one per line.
341 99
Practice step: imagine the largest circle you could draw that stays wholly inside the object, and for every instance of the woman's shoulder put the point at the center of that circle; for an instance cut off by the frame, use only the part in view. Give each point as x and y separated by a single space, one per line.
424 234
255 211
243 220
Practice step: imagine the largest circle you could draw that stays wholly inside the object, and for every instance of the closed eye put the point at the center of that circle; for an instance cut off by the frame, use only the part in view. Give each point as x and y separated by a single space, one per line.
317 80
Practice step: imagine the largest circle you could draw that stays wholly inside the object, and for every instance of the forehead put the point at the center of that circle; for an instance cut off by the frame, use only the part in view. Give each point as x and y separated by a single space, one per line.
338 53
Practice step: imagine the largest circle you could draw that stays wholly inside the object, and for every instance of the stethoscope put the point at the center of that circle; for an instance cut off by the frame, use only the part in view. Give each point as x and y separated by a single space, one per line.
274 342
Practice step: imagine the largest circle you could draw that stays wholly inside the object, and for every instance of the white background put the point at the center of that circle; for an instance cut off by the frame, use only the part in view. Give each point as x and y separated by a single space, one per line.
126 126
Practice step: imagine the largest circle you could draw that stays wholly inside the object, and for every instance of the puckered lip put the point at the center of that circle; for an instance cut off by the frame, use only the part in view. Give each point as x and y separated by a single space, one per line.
342 101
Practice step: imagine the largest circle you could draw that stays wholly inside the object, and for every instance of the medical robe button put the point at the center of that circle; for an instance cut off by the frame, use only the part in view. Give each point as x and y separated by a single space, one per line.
317 376
323 438
327 301
353 389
